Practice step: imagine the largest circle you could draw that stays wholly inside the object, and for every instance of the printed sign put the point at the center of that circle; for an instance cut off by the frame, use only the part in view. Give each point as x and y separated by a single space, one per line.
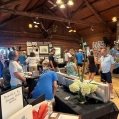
11 102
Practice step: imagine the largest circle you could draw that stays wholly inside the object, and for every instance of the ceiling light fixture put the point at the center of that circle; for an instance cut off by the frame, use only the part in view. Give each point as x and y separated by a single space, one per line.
68 27
34 22
114 19
70 2
30 26
70 30
36 26
62 6
59 2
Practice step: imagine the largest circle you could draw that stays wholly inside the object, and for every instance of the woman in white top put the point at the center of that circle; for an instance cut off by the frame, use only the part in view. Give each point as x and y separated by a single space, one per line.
32 62
16 71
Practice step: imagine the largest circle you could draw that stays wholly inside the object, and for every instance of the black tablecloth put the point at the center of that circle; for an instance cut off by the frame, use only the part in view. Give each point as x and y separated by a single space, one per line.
61 65
87 111
31 83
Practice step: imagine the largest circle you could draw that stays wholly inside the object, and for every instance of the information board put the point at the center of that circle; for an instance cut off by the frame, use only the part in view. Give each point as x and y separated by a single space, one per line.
10 102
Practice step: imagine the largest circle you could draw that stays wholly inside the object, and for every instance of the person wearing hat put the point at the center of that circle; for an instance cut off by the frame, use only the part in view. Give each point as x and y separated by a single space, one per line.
79 59
47 83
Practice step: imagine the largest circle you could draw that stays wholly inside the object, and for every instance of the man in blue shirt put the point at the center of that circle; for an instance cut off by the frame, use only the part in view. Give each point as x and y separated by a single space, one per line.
47 83
22 58
79 59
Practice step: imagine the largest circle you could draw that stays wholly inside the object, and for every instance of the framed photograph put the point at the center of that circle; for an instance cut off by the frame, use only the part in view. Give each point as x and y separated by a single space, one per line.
34 43
50 45
44 49
29 50
29 44
58 52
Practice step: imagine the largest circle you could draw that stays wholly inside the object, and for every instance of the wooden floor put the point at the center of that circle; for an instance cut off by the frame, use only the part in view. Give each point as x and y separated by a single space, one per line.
116 88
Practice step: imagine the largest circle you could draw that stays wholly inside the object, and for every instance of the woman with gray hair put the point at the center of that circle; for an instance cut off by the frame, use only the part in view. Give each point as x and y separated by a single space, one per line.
16 71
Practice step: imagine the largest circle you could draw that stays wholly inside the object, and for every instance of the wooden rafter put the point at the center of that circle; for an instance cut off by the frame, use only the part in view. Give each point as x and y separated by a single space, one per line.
5 3
94 11
14 16
43 16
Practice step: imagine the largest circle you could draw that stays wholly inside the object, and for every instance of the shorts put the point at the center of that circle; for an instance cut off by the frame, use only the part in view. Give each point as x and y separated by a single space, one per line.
80 65
106 77
92 69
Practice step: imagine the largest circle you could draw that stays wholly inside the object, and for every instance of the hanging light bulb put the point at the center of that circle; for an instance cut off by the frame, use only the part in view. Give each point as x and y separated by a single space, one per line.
34 22
114 19
59 2
62 6
36 26
70 30
74 31
70 2
68 27
30 26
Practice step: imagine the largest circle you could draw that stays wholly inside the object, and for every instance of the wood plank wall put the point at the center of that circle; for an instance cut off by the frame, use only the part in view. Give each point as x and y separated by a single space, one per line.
10 41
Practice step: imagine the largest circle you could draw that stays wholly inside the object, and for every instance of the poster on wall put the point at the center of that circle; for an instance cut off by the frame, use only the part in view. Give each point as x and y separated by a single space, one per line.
28 44
29 50
58 52
97 45
43 49
34 43
96 48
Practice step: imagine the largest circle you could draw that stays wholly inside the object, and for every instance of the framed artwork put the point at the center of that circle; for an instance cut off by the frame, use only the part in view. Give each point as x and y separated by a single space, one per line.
50 45
58 52
34 43
44 49
29 44
29 50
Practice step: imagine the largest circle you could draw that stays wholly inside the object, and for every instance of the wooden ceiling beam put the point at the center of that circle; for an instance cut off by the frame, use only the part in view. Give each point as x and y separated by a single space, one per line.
43 16
94 11
8 2
97 15
33 35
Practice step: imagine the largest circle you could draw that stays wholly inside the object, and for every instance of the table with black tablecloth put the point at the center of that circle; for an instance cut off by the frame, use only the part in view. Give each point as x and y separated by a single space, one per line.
90 110
31 83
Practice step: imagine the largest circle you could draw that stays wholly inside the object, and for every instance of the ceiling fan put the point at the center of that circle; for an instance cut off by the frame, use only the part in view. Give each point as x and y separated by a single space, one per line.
53 4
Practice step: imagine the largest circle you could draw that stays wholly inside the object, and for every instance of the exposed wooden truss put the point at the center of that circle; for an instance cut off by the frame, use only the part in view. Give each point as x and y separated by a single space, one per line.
94 11
43 16
8 2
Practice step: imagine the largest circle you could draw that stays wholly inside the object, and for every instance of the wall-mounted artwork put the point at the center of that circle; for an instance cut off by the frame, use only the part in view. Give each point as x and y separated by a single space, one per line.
34 43
29 44
44 49
58 52
29 50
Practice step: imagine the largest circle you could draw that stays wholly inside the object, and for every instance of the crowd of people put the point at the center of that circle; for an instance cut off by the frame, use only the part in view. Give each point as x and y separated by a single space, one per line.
77 63
14 67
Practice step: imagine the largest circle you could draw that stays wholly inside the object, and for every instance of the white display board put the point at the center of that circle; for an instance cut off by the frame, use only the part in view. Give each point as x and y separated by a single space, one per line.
11 102
25 113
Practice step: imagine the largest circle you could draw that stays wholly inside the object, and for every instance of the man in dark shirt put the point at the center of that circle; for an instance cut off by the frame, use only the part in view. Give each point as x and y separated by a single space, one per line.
52 61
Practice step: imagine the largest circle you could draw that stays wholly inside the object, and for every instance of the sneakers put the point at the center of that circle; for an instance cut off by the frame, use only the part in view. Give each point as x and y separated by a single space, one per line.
111 96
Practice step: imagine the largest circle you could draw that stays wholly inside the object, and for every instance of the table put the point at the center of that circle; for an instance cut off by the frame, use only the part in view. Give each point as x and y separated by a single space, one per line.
60 65
87 111
31 83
